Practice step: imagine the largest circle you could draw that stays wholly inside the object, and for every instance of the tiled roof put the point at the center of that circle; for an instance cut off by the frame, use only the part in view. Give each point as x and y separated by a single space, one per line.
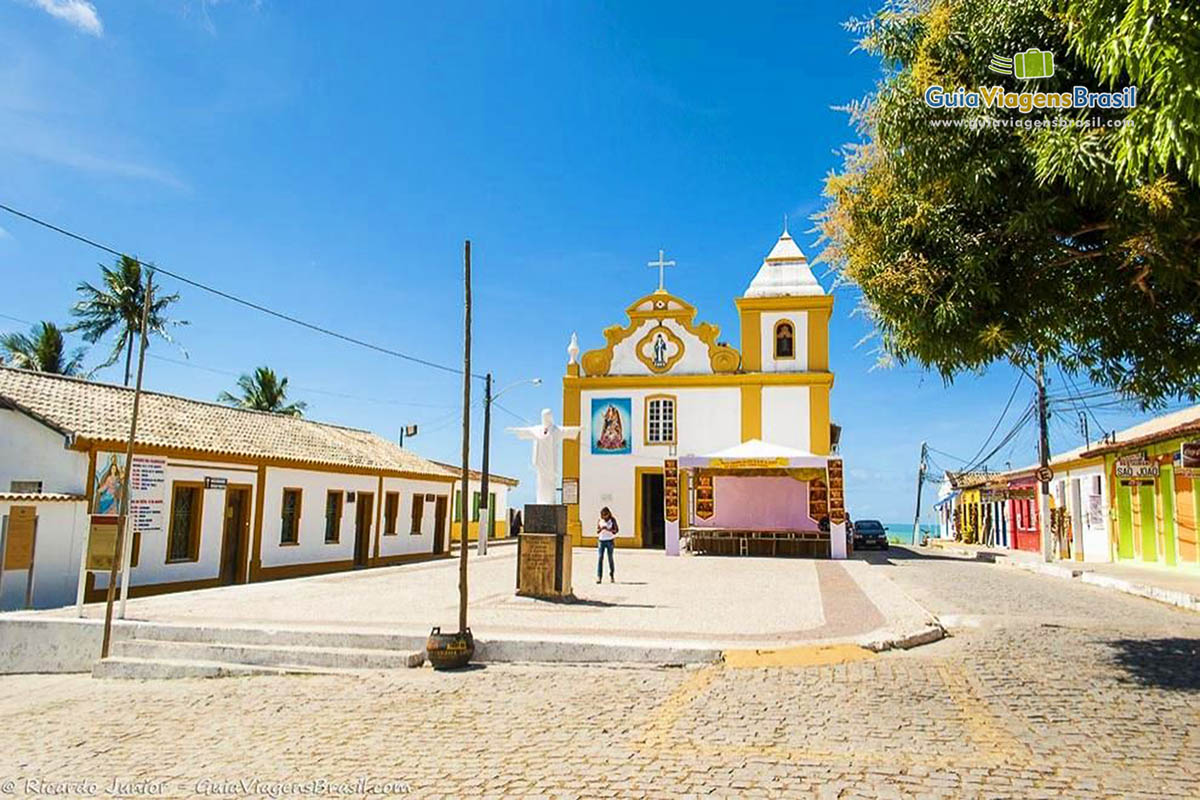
40 497
1184 422
100 413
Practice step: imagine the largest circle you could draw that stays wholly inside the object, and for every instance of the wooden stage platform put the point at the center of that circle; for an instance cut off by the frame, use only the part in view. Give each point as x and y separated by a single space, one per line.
756 542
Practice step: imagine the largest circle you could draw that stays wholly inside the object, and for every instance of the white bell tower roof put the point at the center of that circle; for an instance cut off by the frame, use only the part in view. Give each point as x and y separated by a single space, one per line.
784 272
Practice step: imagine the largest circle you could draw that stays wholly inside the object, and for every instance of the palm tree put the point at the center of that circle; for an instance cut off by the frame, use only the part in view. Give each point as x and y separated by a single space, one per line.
42 350
263 391
118 306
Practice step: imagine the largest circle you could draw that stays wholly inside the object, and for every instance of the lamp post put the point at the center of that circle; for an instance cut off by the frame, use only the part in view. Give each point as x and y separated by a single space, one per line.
485 506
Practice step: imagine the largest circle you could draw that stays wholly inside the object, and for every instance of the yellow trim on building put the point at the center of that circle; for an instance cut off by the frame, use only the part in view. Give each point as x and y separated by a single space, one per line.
751 412
818 420
570 453
473 531
706 380
818 338
663 306
751 322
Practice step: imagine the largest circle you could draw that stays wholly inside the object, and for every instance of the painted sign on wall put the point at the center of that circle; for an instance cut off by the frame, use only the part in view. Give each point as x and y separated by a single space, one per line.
106 487
1136 467
147 495
1189 460
612 426
671 489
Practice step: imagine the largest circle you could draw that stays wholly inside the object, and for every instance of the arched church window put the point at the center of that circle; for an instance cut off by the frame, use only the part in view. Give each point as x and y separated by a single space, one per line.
785 340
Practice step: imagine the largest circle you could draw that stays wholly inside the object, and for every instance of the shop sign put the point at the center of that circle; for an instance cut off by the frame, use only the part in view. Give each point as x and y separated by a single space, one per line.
1136 467
1189 460
748 463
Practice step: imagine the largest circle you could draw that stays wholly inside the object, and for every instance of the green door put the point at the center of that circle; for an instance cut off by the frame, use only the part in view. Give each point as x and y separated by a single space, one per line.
1166 484
1124 522
1149 533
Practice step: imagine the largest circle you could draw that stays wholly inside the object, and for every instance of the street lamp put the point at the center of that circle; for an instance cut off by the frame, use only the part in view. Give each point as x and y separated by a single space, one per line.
485 510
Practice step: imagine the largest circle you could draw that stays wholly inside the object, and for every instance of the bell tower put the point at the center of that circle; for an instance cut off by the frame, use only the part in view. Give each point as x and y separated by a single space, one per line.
784 317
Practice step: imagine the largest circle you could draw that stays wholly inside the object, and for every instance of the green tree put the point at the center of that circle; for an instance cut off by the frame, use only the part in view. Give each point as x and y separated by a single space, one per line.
1004 236
263 391
42 350
117 306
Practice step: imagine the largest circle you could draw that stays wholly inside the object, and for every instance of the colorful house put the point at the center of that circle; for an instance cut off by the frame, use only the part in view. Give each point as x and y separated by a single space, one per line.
1154 469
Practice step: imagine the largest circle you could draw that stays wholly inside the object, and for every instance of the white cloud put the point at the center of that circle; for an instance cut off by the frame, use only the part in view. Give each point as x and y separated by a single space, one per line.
79 13
4 234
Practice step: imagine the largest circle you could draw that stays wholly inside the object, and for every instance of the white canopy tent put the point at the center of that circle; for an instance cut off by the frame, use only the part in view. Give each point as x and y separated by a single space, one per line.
773 500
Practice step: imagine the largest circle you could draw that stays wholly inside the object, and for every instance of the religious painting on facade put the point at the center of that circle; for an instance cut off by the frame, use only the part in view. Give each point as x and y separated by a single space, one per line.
611 426
659 349
837 504
106 490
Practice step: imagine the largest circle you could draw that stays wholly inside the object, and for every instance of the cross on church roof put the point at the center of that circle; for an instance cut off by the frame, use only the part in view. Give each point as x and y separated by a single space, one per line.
662 265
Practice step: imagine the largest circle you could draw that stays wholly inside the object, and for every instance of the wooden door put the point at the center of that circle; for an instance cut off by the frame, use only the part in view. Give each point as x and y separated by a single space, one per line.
363 518
235 539
439 523
1146 521
1125 520
1185 518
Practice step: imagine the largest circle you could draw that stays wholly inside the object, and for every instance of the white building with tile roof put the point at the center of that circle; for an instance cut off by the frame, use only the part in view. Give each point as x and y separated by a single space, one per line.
224 495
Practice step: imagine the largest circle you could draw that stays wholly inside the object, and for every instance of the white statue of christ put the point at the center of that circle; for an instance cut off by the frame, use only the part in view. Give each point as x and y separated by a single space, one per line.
546 440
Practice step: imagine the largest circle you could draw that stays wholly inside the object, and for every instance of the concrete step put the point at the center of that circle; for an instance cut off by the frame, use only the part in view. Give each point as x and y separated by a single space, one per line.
285 637
338 658
122 667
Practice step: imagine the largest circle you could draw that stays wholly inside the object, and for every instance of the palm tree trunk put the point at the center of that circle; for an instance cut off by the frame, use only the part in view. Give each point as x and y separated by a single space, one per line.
128 354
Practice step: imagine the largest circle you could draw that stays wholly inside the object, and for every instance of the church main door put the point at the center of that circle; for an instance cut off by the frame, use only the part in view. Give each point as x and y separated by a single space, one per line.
653 524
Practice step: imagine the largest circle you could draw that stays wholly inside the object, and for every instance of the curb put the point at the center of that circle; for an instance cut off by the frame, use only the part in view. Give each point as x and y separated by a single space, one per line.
1053 570
1171 597
927 635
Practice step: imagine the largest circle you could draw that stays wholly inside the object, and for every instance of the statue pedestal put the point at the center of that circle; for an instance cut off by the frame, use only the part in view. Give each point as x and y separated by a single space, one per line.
544 553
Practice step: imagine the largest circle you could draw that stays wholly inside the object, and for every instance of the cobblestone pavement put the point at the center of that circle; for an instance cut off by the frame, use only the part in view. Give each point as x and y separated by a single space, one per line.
1046 689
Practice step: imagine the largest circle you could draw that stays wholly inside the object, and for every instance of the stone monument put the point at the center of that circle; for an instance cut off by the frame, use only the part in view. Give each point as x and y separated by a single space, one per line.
543 546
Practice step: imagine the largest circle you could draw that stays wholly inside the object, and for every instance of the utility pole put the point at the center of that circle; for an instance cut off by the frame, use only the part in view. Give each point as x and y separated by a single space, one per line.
466 439
124 549
1044 473
1083 424
920 482
485 506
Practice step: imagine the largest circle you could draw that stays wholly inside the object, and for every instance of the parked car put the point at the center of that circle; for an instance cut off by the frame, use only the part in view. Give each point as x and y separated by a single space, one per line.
870 533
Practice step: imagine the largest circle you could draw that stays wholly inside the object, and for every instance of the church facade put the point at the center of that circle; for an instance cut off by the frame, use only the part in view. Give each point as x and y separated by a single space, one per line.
664 388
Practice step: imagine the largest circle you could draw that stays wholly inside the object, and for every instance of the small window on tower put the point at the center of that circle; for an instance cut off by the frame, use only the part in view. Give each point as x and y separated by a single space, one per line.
785 340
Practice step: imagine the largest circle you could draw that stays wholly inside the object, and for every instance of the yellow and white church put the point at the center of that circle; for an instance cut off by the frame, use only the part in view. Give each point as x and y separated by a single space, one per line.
694 444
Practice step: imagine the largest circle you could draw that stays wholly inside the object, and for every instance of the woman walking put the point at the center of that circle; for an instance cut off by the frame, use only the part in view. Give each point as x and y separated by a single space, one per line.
606 532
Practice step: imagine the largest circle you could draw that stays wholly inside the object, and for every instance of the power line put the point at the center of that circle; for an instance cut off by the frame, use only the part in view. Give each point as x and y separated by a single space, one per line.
511 413
308 389
234 298
975 460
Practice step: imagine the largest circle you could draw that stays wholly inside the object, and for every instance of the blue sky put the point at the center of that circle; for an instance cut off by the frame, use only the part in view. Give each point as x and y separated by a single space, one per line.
329 159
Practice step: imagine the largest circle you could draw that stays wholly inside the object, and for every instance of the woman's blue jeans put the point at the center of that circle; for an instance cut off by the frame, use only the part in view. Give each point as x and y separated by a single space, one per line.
605 546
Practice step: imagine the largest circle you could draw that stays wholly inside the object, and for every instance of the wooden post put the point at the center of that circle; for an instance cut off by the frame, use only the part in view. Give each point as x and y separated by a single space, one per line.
466 440
124 518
